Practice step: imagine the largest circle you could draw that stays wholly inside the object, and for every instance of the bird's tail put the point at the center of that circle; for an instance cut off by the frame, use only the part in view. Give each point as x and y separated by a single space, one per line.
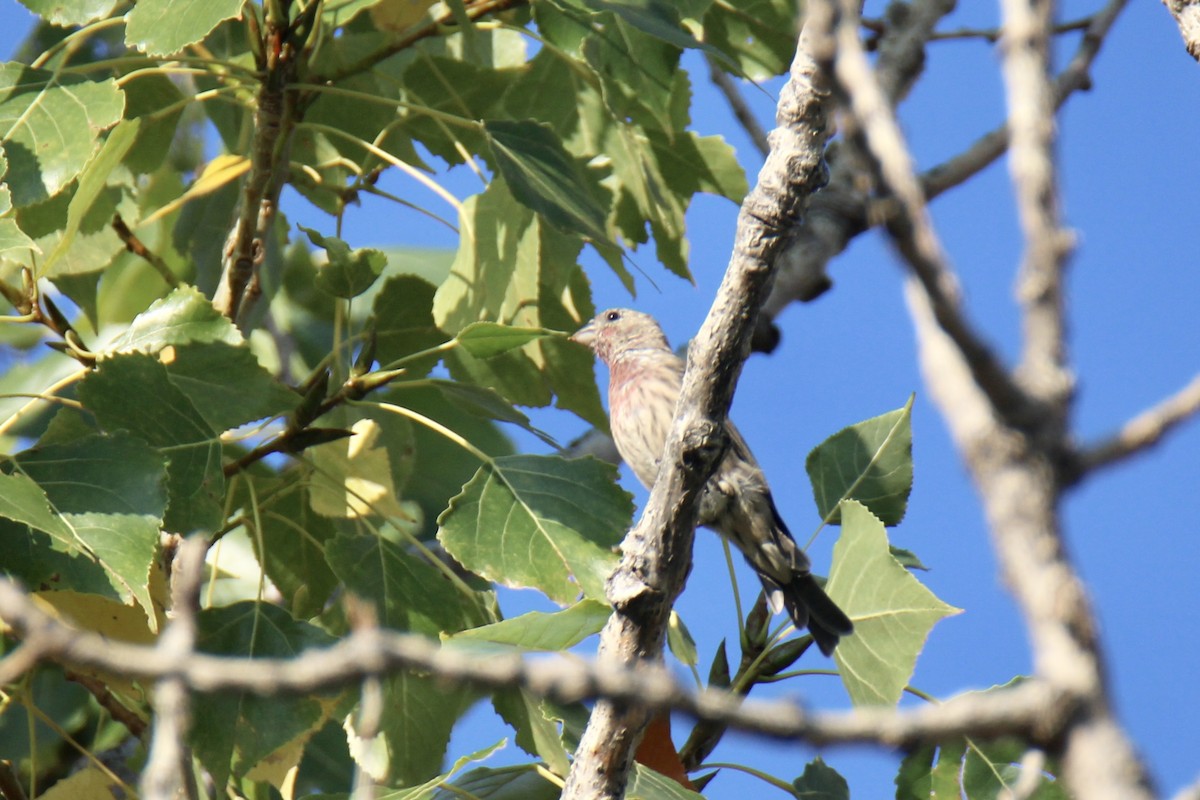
807 604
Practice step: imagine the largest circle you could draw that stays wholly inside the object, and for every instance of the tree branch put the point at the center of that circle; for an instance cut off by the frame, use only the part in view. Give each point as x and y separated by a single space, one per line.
1187 17
1142 432
1031 709
737 104
657 551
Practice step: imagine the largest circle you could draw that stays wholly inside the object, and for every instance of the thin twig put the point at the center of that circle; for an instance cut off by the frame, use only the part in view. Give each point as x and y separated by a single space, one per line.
1143 431
134 245
737 104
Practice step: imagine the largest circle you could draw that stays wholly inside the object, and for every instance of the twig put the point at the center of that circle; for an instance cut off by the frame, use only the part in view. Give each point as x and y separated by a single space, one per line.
1032 709
167 768
134 245
1143 431
988 34
1043 371
10 787
737 104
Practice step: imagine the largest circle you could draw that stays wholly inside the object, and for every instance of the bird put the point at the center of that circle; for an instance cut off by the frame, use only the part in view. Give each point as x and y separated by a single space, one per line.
645 379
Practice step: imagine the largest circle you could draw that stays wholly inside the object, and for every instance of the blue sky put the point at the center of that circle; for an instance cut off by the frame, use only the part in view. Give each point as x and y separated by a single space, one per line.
1130 167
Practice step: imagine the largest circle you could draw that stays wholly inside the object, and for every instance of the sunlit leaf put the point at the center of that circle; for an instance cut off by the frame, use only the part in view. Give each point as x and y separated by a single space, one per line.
539 521
892 611
870 462
538 630
52 125
163 27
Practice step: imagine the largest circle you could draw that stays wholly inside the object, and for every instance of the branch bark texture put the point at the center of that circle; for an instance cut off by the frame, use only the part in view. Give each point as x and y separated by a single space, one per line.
657 552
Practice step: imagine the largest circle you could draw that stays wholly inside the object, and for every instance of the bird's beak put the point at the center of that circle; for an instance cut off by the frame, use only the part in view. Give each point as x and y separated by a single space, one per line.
585 335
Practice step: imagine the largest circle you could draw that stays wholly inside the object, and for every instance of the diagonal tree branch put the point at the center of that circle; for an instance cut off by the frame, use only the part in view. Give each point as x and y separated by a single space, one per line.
1142 432
657 551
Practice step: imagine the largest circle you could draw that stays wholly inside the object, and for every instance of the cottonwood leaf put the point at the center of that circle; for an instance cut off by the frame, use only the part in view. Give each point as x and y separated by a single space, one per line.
348 273
870 462
821 782
973 768
352 477
543 176
487 339
70 12
541 522
485 402
892 611
182 317
520 782
108 500
539 630
163 27
52 124
233 732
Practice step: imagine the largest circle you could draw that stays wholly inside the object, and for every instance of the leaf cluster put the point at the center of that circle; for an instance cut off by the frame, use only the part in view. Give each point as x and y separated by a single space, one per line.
338 444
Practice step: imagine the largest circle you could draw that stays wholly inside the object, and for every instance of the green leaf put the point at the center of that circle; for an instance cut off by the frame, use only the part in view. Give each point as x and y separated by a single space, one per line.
487 339
106 498
646 784
538 630
760 35
541 522
11 235
821 782
182 317
70 12
157 103
521 782
226 384
233 732
91 183
680 640
52 125
484 402
163 27
404 323
892 612
543 176
870 462
409 593
23 501
294 539
134 392
971 768
537 731
348 273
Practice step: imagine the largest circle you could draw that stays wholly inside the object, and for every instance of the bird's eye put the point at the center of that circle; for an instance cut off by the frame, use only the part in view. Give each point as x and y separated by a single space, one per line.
613 316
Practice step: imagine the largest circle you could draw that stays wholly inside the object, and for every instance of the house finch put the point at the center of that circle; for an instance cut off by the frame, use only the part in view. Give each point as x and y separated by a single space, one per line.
645 378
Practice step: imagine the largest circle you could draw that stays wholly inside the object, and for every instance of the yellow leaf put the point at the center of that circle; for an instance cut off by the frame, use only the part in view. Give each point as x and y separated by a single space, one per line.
399 15
353 477
218 172
87 784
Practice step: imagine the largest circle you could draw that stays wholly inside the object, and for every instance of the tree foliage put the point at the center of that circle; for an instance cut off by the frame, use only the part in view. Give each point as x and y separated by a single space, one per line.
327 417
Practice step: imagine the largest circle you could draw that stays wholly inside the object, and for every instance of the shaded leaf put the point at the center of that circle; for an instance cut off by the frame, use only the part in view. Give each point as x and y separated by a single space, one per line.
352 477
107 498
522 782
485 402
542 175
348 273
870 462
892 611
404 323
541 522
821 782
233 732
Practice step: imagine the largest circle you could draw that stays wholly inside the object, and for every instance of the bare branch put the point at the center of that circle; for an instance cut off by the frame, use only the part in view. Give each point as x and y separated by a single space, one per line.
1026 67
840 211
1187 17
1143 431
168 766
737 104
1031 709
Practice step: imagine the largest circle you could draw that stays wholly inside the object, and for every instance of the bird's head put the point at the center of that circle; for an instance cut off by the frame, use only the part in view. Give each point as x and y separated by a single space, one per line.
617 331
